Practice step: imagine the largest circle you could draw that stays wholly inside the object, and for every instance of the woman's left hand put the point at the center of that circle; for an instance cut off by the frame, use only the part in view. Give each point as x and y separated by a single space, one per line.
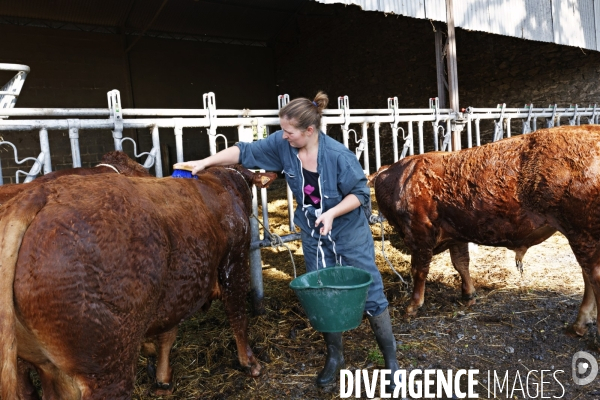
327 220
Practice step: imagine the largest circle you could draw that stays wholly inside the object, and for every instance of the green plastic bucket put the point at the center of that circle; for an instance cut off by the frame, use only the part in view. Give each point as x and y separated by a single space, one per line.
338 303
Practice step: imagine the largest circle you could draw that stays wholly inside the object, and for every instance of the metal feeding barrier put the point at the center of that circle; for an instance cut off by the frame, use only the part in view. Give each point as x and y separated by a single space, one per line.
502 117
433 124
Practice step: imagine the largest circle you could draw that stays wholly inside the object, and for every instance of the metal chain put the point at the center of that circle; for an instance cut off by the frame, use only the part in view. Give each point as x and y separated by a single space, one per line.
276 241
381 219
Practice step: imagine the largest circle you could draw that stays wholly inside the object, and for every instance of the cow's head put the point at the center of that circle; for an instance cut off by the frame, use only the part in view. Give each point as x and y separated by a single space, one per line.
371 178
124 164
260 179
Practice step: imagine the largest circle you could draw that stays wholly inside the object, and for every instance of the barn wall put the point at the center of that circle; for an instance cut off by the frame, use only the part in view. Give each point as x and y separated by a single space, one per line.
76 69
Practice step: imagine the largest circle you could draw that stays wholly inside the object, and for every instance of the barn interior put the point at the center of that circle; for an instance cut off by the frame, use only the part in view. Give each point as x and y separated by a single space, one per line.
168 53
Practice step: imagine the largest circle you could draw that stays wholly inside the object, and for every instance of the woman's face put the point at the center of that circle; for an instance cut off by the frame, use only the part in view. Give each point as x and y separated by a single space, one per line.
296 137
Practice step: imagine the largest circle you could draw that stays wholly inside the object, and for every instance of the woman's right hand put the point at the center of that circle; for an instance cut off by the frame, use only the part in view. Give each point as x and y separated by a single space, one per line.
193 166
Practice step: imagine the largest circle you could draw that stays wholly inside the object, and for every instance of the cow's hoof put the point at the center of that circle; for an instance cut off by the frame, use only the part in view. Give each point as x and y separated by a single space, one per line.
162 389
254 370
470 301
411 310
579 330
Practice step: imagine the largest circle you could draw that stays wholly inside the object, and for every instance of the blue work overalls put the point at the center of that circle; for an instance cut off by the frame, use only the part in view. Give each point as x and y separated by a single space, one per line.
350 241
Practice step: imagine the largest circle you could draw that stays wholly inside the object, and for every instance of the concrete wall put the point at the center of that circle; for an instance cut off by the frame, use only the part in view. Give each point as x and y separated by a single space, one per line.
76 69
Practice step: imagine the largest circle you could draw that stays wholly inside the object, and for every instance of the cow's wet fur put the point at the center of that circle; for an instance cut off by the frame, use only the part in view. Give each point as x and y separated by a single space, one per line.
514 193
98 263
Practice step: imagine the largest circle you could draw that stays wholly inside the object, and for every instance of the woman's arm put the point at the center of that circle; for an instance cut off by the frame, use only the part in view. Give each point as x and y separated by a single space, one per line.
230 155
348 203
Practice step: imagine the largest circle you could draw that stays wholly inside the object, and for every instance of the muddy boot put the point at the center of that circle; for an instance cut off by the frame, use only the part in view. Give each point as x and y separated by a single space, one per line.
382 327
335 358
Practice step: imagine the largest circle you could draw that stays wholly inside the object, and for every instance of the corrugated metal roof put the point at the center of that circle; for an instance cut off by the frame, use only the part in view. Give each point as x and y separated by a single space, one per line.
568 22
435 10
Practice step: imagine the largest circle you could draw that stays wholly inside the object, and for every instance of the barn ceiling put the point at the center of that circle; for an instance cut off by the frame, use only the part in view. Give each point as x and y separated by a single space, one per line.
253 20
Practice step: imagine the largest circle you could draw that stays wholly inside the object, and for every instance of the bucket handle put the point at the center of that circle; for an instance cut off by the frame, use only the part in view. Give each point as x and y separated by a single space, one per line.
320 250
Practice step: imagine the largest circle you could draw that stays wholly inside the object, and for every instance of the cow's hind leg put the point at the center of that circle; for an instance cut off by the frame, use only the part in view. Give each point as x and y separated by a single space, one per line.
588 256
26 389
56 385
164 384
587 311
420 261
233 295
459 254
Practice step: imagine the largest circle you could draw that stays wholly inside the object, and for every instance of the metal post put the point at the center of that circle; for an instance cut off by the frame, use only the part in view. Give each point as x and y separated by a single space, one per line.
74 137
45 147
421 144
377 148
156 146
179 138
410 137
452 70
365 137
256 278
439 66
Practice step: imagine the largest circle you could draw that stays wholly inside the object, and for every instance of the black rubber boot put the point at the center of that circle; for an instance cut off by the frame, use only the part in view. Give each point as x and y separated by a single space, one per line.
335 358
382 327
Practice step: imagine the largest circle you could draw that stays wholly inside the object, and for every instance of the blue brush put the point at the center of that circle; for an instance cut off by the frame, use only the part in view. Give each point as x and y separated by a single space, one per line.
182 171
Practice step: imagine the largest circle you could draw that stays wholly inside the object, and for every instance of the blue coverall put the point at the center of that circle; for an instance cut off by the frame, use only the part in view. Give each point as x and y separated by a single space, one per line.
339 175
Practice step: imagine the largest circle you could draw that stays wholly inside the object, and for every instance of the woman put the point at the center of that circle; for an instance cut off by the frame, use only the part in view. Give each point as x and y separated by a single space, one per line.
330 189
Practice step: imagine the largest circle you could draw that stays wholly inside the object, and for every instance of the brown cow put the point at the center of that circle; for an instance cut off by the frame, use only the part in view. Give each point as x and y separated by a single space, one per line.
514 193
99 262
112 162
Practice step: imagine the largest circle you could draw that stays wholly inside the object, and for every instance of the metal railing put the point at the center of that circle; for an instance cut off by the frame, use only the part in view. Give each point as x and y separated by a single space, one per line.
256 124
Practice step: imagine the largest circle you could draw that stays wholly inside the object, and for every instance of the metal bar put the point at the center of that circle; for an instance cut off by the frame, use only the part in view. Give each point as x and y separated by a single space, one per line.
377 148
439 66
73 125
256 278
421 139
365 137
45 147
179 139
451 58
158 170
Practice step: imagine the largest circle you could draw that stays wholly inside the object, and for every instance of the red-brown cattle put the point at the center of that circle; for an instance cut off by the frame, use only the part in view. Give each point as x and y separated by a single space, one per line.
514 193
112 162
91 265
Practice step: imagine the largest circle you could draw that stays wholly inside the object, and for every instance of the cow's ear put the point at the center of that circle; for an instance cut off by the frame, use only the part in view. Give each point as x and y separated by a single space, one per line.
264 179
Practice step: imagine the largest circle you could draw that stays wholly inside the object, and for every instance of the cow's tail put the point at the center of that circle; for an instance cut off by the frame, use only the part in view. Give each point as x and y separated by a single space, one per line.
15 218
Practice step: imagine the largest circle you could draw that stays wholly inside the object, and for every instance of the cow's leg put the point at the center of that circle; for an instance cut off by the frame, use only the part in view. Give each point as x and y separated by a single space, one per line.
587 311
588 255
420 261
56 385
233 295
26 389
164 373
459 254
519 254
148 350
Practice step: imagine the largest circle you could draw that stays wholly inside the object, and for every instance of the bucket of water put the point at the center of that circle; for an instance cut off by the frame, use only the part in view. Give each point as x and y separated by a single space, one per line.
334 297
